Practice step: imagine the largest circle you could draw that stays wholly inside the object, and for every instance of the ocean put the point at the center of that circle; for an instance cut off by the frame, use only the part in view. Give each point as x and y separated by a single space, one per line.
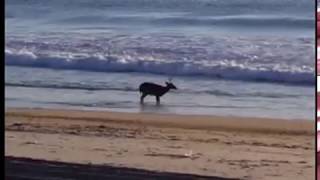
230 58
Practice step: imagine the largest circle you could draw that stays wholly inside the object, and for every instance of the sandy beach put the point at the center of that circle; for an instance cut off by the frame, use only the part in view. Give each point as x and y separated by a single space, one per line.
156 146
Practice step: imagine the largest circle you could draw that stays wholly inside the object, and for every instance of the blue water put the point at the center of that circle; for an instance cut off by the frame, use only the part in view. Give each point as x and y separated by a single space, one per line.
248 58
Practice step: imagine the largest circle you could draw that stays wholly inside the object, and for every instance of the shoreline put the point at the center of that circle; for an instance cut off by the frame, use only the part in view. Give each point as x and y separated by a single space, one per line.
204 122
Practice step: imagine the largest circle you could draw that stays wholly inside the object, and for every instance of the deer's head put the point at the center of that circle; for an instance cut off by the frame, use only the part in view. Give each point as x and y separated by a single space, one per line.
170 85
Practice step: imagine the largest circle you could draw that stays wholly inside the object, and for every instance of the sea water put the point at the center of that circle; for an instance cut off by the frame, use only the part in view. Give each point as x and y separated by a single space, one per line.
237 58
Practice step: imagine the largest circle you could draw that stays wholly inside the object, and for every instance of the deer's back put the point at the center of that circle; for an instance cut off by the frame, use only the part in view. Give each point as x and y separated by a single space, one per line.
151 88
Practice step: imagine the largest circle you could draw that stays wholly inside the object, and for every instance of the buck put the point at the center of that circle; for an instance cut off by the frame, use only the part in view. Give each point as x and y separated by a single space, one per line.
153 89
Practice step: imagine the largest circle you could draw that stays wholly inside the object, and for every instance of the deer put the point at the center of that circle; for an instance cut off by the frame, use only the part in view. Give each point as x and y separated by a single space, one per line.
153 89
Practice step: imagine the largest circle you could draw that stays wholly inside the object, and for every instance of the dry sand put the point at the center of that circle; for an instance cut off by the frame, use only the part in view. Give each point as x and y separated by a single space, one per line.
219 147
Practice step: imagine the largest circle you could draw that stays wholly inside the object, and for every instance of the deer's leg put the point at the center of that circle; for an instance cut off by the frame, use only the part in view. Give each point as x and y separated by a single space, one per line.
142 97
158 99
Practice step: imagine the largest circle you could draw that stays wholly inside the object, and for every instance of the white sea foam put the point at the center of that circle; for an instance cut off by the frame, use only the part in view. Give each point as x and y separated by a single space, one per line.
115 63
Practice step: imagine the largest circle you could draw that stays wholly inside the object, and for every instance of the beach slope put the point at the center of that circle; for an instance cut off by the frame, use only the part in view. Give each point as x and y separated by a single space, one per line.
215 147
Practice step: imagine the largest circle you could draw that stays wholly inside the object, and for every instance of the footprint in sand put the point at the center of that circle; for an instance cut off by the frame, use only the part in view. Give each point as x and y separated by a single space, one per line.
31 143
99 149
